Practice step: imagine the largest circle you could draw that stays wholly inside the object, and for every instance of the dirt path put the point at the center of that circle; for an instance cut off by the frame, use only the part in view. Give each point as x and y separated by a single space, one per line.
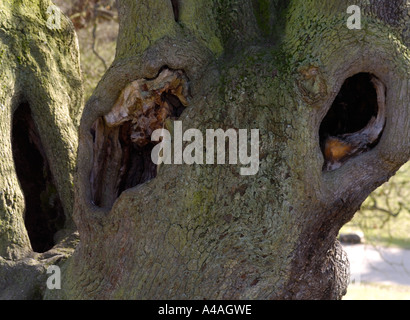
379 265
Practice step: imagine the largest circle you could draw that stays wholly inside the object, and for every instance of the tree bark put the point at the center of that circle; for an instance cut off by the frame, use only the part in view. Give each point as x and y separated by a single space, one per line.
41 104
204 231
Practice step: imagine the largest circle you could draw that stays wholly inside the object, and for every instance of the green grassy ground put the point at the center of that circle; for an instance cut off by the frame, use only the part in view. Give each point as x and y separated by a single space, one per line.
373 220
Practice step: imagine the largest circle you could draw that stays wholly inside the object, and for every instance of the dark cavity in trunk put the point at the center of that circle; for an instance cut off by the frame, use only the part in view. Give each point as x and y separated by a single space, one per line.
43 214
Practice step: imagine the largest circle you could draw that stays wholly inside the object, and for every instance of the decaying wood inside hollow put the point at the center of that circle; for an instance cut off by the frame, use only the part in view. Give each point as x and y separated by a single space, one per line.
355 121
122 138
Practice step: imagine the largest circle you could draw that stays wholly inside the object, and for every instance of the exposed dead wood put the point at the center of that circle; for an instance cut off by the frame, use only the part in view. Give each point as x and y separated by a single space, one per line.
122 138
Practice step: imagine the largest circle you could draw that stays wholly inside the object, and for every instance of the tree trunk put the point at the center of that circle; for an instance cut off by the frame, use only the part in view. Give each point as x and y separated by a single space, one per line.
331 107
41 104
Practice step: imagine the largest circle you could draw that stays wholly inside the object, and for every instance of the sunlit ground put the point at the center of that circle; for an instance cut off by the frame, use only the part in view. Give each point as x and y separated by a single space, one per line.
374 291
383 230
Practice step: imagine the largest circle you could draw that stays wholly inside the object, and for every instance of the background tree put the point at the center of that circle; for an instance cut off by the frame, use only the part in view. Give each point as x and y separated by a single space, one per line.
291 69
96 24
384 216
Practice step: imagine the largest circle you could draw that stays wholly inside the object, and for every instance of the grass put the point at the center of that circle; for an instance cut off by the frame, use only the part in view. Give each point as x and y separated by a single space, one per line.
374 291
373 220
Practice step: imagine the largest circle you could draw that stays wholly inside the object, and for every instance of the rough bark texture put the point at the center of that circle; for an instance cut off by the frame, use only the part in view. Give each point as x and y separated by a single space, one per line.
41 102
205 231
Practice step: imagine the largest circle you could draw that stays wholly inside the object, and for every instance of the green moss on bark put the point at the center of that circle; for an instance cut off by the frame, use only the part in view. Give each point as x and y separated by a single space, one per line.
40 67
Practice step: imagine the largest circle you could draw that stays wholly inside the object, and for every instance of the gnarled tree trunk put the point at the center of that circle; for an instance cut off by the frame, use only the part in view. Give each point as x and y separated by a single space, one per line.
331 107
